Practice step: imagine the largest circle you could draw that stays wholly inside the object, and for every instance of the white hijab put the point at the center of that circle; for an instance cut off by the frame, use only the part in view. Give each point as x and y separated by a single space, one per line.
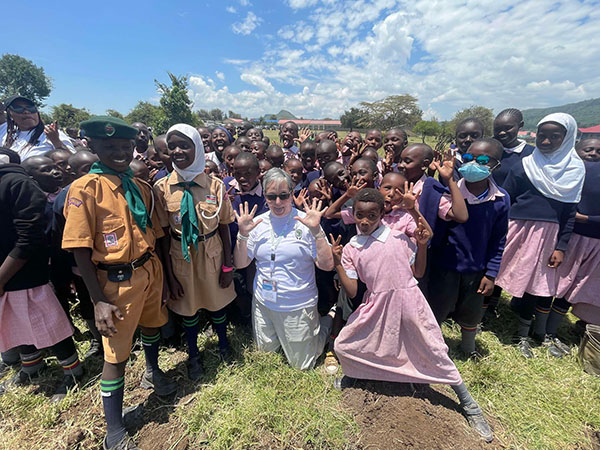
197 167
558 175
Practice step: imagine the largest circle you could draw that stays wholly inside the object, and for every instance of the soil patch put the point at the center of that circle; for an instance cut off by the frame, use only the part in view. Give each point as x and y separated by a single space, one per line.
393 415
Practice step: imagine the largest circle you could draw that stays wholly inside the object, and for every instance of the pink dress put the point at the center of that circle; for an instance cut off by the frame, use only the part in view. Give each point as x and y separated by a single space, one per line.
579 277
397 220
524 267
32 317
393 335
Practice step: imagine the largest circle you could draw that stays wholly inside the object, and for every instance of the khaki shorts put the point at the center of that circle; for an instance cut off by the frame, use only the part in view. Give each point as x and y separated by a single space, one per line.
302 334
140 302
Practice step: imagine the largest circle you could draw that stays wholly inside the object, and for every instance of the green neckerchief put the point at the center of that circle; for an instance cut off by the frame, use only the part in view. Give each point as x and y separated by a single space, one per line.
135 202
189 220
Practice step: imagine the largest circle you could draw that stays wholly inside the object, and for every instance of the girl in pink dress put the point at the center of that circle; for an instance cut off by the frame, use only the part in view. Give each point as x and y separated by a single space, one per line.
393 335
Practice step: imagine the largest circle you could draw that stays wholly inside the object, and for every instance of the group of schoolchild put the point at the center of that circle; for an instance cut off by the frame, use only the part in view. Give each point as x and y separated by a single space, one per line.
417 238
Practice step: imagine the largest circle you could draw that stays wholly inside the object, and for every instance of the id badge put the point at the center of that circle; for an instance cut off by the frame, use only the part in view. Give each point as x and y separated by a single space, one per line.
269 291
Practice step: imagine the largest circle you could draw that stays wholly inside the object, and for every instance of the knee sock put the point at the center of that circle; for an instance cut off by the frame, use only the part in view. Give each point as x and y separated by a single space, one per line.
467 343
11 356
515 304
66 353
112 401
219 320
466 401
558 311
523 329
542 309
31 360
71 366
150 344
191 328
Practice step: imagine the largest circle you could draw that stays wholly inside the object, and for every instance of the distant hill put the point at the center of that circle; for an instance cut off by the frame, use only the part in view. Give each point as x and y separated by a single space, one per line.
586 113
282 115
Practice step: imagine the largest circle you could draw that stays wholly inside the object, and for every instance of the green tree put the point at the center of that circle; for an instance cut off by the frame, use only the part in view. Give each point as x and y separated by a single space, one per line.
150 114
176 103
114 113
486 115
393 111
216 114
68 115
351 118
20 76
426 128
232 115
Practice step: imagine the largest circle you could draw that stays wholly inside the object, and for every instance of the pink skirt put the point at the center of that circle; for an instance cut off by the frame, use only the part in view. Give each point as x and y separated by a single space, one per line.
393 336
32 317
579 274
524 267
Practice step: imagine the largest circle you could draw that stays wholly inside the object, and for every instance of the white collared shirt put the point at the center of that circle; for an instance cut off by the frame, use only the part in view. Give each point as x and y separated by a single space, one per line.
493 192
518 149
22 147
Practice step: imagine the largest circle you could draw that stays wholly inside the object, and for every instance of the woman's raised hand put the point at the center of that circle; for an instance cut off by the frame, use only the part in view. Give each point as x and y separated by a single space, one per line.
245 219
313 216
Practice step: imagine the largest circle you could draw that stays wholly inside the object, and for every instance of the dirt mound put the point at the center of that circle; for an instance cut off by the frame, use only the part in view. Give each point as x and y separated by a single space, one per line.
393 415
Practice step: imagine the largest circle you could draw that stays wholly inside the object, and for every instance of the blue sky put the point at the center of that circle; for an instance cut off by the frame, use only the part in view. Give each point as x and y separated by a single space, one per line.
315 58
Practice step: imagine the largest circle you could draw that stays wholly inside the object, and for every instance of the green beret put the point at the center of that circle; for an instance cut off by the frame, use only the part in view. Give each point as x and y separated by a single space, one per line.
106 127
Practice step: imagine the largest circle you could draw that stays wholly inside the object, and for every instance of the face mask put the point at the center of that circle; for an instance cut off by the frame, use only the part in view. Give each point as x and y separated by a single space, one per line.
474 172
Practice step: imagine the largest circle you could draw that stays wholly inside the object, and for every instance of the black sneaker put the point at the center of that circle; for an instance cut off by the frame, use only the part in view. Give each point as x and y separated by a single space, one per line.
525 347
18 380
133 416
157 380
555 347
195 368
226 355
126 443
95 349
477 421
69 383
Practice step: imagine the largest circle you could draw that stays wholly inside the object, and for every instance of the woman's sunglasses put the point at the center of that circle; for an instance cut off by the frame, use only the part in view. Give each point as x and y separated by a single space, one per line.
23 109
282 196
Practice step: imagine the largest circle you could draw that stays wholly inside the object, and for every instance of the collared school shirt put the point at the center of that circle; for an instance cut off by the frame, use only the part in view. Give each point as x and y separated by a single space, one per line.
97 217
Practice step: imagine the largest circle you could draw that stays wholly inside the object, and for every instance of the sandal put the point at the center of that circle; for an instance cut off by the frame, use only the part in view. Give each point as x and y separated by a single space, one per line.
331 363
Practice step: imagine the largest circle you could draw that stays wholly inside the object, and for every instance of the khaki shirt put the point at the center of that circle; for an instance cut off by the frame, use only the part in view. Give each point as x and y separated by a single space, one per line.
98 217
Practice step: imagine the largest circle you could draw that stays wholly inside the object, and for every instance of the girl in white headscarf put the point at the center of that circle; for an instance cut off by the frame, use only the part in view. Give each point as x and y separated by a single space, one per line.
545 188
195 212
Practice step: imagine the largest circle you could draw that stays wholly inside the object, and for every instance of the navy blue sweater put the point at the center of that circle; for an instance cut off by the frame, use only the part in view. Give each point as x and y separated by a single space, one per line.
509 160
590 202
527 203
476 245
252 200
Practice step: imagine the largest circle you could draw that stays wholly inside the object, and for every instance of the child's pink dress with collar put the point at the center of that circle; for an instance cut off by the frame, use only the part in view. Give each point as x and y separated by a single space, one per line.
393 335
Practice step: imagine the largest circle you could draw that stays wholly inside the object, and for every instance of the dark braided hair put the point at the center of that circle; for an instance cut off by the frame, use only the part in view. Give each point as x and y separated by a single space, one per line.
512 113
12 130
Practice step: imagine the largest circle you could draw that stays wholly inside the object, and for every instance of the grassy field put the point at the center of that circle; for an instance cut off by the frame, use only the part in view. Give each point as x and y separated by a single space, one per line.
259 401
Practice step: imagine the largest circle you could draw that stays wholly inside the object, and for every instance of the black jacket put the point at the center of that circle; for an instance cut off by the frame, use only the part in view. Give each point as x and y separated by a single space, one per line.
22 226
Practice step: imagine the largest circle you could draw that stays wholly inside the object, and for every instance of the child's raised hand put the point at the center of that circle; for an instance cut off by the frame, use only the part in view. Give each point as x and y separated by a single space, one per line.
423 232
355 186
304 135
446 169
324 189
229 194
331 136
336 249
556 258
486 286
409 198
245 219
300 199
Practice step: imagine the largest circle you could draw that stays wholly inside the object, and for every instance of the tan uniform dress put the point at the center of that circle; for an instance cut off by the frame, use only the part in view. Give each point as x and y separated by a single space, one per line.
199 277
97 217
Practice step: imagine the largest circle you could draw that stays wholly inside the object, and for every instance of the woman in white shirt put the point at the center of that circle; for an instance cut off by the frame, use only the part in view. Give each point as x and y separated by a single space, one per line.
25 133
286 244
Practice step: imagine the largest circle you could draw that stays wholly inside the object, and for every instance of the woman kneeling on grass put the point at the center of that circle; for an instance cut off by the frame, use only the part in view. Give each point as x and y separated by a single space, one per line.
286 244
393 335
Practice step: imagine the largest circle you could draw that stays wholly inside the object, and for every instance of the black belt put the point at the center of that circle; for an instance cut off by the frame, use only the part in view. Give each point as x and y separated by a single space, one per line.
136 263
201 238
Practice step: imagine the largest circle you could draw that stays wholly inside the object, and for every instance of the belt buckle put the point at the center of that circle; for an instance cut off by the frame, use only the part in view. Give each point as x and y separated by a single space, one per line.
132 265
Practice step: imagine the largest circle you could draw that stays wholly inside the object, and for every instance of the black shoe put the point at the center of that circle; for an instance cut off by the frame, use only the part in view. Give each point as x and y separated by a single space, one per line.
477 422
126 443
157 380
133 416
18 380
195 368
556 348
69 383
343 382
226 355
525 347
4 368
95 349
475 355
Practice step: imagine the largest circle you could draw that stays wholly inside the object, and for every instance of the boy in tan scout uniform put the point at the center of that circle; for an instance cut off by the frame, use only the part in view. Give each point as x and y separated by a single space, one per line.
111 228
195 211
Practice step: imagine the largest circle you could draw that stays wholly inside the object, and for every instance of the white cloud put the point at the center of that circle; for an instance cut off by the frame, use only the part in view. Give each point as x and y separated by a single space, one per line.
245 3
220 75
248 25
231 9
497 53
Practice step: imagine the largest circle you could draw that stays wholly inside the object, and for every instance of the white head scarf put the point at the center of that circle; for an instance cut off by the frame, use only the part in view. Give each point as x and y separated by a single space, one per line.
197 167
558 175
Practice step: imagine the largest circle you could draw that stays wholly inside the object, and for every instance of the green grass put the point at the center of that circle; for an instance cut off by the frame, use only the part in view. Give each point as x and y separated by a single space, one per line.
260 401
